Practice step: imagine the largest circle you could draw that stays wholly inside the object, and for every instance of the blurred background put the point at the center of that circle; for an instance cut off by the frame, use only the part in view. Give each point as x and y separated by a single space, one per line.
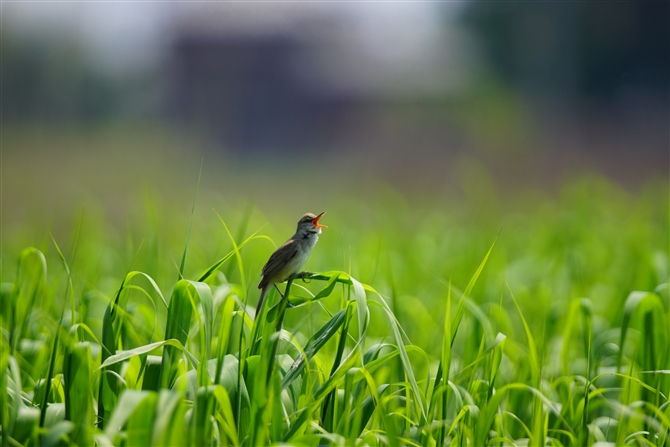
292 104
423 129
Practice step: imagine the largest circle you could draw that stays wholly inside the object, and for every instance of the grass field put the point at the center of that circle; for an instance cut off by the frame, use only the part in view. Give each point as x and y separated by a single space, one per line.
473 319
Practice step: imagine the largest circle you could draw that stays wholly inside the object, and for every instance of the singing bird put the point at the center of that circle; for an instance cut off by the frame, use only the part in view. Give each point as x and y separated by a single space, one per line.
288 259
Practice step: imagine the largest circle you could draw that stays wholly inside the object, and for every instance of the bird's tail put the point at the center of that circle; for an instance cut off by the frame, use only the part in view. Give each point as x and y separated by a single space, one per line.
264 292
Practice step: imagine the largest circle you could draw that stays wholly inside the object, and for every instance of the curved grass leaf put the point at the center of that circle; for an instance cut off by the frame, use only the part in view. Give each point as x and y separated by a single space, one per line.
79 393
31 275
128 402
169 428
538 423
139 427
488 413
315 343
214 267
182 265
125 355
642 302
181 308
407 366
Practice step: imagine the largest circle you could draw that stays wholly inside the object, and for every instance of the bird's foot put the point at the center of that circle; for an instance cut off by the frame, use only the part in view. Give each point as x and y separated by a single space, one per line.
303 275
279 292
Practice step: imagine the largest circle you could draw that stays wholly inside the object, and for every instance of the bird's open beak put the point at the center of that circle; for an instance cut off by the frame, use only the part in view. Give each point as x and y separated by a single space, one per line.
316 223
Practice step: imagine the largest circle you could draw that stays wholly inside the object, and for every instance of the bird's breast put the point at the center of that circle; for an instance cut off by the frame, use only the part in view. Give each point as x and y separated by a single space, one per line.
298 261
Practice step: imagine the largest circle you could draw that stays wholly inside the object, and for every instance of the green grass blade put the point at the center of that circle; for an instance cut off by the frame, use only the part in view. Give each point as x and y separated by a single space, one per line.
125 355
129 402
445 363
538 420
152 373
79 393
460 308
407 366
214 267
30 279
182 265
362 312
641 302
169 428
224 334
178 326
227 418
108 387
140 426
315 343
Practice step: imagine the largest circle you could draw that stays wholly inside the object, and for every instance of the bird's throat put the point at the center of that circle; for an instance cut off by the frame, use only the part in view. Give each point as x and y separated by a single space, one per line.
311 233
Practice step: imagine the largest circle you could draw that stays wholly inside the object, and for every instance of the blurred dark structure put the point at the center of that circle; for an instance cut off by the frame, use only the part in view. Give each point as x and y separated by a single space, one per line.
594 76
53 84
570 56
248 92
571 82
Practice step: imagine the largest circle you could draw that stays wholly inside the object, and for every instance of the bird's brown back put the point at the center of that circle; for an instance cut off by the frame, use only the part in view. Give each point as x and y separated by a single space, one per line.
278 261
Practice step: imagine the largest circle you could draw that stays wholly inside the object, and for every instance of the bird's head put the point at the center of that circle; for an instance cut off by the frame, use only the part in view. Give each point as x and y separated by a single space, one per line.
310 223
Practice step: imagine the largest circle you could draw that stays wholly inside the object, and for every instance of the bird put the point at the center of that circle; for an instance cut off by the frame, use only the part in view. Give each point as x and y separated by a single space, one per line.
288 259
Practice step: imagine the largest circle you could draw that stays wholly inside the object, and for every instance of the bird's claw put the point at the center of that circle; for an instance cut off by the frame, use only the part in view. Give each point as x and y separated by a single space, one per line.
304 276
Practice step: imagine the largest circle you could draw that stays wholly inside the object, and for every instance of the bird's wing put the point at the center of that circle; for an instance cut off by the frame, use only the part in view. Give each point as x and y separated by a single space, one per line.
278 261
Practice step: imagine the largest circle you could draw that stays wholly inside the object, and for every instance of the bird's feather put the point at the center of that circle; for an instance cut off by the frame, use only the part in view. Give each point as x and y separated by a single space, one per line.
278 262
